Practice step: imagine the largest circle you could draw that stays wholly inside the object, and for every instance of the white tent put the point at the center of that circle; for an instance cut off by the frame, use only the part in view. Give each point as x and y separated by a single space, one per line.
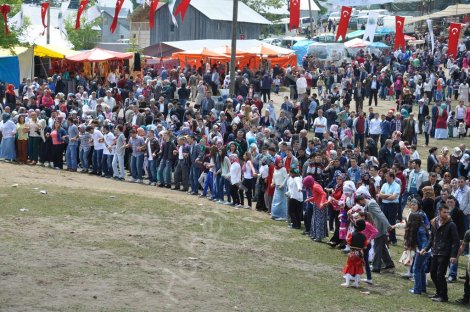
452 10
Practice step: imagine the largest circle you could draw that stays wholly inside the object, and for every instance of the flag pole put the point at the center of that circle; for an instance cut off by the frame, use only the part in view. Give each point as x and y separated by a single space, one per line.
48 30
311 17
234 47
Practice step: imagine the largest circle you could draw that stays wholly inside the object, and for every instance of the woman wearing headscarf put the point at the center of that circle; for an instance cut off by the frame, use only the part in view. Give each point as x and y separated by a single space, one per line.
279 205
454 161
34 138
333 201
441 123
10 97
315 216
7 147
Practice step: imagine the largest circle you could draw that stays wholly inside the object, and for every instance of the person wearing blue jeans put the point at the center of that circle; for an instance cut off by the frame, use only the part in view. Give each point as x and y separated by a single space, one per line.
98 144
416 237
152 148
137 144
458 217
71 152
108 152
84 152
209 183
389 194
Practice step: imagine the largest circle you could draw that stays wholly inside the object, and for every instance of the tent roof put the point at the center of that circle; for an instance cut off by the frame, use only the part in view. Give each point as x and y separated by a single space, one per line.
356 43
48 50
452 10
98 55
203 52
16 51
221 10
167 48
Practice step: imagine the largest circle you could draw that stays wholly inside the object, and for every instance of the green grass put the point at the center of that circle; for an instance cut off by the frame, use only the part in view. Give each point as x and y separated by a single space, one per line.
143 254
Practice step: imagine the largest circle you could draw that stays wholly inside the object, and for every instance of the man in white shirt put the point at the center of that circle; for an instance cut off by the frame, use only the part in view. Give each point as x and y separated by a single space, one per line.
374 88
109 100
108 152
99 146
320 125
375 128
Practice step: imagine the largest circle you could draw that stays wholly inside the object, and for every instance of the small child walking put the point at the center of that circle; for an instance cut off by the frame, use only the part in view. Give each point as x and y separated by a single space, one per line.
462 130
427 129
355 264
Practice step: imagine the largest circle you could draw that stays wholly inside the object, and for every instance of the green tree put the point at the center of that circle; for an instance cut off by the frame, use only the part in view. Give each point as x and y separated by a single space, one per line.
86 36
12 39
261 5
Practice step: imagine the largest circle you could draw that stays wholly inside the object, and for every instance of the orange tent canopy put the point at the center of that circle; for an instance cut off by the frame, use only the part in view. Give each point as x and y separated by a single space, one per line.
199 53
263 50
98 55
228 51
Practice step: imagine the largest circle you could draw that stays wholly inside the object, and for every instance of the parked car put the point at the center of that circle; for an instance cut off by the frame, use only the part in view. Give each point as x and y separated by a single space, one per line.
273 41
325 38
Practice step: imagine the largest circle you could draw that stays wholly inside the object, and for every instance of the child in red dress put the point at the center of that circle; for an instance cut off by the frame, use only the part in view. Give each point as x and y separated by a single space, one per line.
354 265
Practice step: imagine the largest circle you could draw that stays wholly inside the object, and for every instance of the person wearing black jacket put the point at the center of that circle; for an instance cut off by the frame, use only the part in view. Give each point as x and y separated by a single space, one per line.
445 243
168 155
386 154
458 217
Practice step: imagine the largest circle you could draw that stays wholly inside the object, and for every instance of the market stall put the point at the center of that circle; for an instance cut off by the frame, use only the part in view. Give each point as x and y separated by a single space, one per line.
16 64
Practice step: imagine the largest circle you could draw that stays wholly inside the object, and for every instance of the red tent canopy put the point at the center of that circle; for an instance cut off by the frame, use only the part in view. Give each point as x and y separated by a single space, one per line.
98 55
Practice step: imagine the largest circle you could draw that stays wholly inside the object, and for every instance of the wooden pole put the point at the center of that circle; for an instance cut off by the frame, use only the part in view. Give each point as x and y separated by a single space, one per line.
234 46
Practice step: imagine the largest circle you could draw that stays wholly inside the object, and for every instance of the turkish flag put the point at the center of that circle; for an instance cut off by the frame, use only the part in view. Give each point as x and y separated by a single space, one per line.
294 14
44 9
343 22
182 7
5 9
153 9
119 4
400 36
454 34
81 8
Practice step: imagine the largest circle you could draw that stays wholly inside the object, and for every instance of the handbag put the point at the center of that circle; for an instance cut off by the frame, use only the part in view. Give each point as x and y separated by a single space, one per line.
407 257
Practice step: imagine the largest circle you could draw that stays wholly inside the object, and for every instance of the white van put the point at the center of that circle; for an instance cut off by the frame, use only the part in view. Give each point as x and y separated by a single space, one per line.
389 22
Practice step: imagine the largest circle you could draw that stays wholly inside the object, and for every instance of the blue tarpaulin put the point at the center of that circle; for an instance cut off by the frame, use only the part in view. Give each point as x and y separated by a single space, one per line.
10 70
301 49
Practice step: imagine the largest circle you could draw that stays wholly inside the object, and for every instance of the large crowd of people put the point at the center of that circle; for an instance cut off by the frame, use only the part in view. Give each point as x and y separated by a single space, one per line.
322 159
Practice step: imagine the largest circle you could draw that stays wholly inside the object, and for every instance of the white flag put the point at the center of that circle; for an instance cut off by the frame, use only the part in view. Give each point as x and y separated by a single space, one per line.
61 18
372 20
431 34
171 7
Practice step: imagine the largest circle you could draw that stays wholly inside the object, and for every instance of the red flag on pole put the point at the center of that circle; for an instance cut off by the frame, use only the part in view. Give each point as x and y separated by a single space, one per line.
81 8
182 7
343 22
454 34
400 36
44 9
153 9
119 4
5 9
294 14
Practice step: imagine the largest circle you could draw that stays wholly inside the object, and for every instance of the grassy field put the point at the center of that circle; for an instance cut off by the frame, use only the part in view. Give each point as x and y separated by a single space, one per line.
86 251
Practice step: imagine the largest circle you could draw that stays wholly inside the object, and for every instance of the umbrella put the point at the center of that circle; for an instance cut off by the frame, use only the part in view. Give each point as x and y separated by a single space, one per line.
356 43
98 55
384 31
409 38
378 45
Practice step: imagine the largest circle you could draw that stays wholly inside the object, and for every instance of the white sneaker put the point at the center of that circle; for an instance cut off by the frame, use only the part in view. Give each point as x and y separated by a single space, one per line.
227 203
365 280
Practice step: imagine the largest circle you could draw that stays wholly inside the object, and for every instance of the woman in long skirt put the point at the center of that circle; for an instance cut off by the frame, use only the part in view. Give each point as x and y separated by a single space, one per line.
441 123
279 205
317 199
7 147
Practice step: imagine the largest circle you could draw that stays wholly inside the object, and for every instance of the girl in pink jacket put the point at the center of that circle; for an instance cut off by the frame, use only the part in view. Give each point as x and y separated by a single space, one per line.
370 233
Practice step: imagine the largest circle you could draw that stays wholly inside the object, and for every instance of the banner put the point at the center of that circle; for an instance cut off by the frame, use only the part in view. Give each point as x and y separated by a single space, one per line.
182 7
171 7
119 4
454 34
44 9
369 33
5 9
431 34
61 17
294 14
81 8
153 9
343 23
399 35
